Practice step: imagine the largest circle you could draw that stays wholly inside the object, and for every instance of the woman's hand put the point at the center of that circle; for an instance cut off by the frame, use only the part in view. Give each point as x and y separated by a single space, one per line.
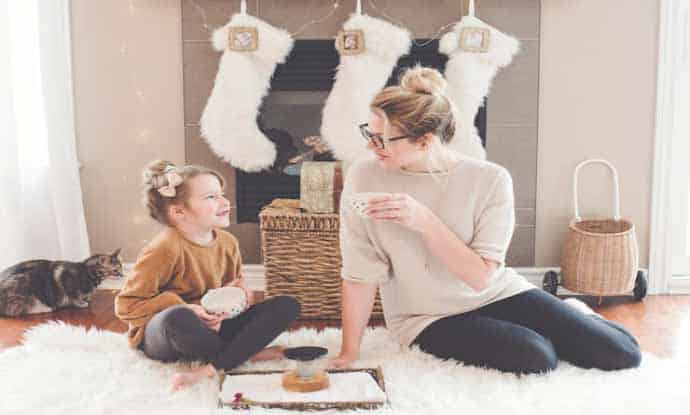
212 321
343 360
402 209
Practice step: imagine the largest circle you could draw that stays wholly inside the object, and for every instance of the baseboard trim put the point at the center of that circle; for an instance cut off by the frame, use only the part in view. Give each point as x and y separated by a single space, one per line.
679 285
256 279
535 275
254 273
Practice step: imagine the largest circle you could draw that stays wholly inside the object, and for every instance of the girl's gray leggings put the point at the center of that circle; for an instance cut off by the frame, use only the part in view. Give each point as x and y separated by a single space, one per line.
176 333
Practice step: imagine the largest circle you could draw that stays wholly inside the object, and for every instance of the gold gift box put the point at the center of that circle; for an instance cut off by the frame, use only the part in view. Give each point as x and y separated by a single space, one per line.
321 183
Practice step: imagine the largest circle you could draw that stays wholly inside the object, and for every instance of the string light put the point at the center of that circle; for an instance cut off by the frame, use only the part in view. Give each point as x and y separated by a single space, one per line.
144 134
336 5
324 18
204 17
139 93
400 23
124 51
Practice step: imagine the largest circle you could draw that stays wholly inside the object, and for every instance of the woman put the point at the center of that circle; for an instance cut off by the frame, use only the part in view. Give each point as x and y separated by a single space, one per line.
436 245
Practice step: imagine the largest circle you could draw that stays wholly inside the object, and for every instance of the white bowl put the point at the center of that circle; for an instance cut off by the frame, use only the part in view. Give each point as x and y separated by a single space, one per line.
359 201
229 300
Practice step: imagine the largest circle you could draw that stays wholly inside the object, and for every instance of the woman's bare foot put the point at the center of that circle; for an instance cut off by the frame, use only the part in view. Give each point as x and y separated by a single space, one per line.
183 379
269 353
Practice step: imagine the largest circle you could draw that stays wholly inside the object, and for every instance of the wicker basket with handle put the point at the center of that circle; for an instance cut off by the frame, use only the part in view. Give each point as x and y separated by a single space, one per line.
599 257
302 259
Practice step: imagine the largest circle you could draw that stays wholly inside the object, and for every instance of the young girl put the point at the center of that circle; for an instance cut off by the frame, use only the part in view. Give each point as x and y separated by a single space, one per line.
436 248
160 299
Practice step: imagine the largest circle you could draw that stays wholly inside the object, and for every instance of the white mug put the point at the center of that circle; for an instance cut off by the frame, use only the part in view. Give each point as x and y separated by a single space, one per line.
359 201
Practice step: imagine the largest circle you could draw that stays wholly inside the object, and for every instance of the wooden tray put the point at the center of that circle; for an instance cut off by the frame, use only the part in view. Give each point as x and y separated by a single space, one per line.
376 373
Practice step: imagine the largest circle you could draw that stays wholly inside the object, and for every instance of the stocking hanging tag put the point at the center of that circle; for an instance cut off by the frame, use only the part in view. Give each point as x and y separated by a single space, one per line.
243 38
474 39
351 42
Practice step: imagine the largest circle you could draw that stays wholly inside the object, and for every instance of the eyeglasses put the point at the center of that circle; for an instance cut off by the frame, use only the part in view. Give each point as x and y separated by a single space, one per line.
376 139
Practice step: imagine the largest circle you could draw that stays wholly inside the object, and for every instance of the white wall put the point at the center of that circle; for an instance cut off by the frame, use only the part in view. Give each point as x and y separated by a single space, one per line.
127 68
596 99
597 95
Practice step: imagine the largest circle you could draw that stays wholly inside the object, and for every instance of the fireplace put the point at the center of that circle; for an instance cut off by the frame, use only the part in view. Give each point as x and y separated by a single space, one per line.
291 117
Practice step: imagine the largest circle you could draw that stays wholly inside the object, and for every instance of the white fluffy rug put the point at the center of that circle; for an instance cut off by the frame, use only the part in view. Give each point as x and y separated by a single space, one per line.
62 369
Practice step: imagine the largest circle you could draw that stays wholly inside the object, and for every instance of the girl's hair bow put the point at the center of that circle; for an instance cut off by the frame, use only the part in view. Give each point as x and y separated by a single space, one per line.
173 179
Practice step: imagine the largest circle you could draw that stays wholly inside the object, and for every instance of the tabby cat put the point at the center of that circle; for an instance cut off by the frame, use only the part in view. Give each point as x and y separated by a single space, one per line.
42 286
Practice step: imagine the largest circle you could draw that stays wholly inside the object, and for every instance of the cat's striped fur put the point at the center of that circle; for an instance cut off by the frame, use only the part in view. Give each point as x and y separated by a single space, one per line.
40 286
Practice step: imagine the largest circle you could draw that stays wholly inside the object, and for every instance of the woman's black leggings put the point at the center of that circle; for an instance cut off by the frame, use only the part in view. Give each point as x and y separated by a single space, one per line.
529 333
176 333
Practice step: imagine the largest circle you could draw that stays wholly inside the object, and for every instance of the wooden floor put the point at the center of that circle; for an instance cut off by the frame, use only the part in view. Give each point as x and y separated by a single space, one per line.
660 323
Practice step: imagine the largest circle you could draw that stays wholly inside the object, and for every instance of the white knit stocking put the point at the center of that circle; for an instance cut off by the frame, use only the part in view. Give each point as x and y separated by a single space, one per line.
360 77
228 123
469 74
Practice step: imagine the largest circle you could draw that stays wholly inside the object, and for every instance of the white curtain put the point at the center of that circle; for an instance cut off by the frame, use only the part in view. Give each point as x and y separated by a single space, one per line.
41 210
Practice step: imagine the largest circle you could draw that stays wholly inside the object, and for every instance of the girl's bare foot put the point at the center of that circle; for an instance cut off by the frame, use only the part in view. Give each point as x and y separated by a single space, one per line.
183 379
269 353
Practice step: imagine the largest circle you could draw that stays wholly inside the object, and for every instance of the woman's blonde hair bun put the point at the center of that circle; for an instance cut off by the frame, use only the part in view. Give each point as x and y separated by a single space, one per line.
423 80
418 105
